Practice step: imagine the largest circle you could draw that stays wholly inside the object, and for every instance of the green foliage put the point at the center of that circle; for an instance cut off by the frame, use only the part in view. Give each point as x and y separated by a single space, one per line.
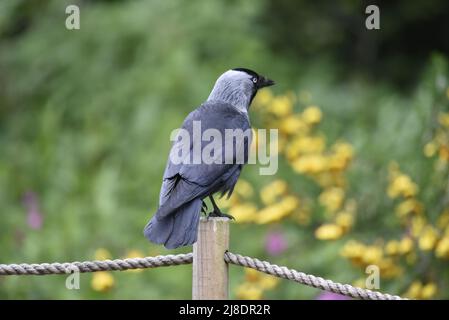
408 32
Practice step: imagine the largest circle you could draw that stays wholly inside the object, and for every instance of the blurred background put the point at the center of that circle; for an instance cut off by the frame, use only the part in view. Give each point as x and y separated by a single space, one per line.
85 118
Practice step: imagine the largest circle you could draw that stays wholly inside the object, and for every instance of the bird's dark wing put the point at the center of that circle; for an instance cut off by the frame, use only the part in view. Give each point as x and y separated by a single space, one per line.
185 181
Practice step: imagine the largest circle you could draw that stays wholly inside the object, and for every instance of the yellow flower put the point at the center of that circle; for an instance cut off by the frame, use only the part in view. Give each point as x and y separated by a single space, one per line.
249 291
305 145
417 225
277 211
311 164
442 248
428 238
392 247
388 269
443 119
354 251
409 206
244 212
102 254
252 275
345 220
102 281
311 144
272 213
281 106
263 98
332 198
443 219
430 149
255 284
289 203
312 115
402 185
329 232
134 254
272 191
360 283
281 143
414 291
341 156
244 189
372 255
343 149
302 216
327 179
406 245
428 291
418 290
352 248
395 247
443 154
293 124
268 282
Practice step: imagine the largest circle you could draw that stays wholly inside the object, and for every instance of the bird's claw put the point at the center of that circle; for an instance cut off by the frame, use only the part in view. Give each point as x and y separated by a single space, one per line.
220 214
204 208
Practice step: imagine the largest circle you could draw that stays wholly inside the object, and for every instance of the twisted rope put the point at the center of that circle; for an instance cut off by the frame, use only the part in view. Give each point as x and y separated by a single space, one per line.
307 279
179 259
94 266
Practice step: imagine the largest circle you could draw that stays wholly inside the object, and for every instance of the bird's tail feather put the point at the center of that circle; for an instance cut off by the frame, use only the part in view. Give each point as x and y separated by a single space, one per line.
177 229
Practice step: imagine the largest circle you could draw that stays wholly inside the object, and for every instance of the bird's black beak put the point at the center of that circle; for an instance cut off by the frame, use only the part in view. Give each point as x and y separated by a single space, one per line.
264 82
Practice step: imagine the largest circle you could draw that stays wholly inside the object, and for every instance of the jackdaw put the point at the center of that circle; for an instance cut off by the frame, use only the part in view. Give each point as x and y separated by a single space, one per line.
187 183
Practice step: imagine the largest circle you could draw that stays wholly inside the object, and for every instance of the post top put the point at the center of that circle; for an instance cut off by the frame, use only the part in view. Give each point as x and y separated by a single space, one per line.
210 219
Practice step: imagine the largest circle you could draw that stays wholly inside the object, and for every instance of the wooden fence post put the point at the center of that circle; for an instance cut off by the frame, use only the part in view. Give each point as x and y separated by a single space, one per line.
210 271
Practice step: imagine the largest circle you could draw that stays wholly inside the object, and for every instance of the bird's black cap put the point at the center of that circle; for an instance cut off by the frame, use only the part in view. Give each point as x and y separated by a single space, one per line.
248 71
261 80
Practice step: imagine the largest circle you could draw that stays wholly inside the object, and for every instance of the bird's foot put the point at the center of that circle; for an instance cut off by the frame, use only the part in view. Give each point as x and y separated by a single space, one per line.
219 214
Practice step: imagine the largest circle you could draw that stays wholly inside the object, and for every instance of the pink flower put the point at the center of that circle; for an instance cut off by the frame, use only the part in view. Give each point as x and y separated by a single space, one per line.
34 216
275 243
331 296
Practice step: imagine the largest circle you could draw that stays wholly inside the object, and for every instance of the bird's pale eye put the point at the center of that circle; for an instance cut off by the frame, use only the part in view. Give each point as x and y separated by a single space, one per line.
255 80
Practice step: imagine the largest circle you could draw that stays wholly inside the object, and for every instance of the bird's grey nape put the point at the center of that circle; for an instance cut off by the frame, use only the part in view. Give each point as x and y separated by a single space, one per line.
234 87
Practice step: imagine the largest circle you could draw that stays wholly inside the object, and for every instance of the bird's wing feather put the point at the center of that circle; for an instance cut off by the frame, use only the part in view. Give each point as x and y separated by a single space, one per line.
183 182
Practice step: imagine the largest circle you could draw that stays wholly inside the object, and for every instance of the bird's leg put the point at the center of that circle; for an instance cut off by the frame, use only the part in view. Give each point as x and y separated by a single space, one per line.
217 212
204 208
